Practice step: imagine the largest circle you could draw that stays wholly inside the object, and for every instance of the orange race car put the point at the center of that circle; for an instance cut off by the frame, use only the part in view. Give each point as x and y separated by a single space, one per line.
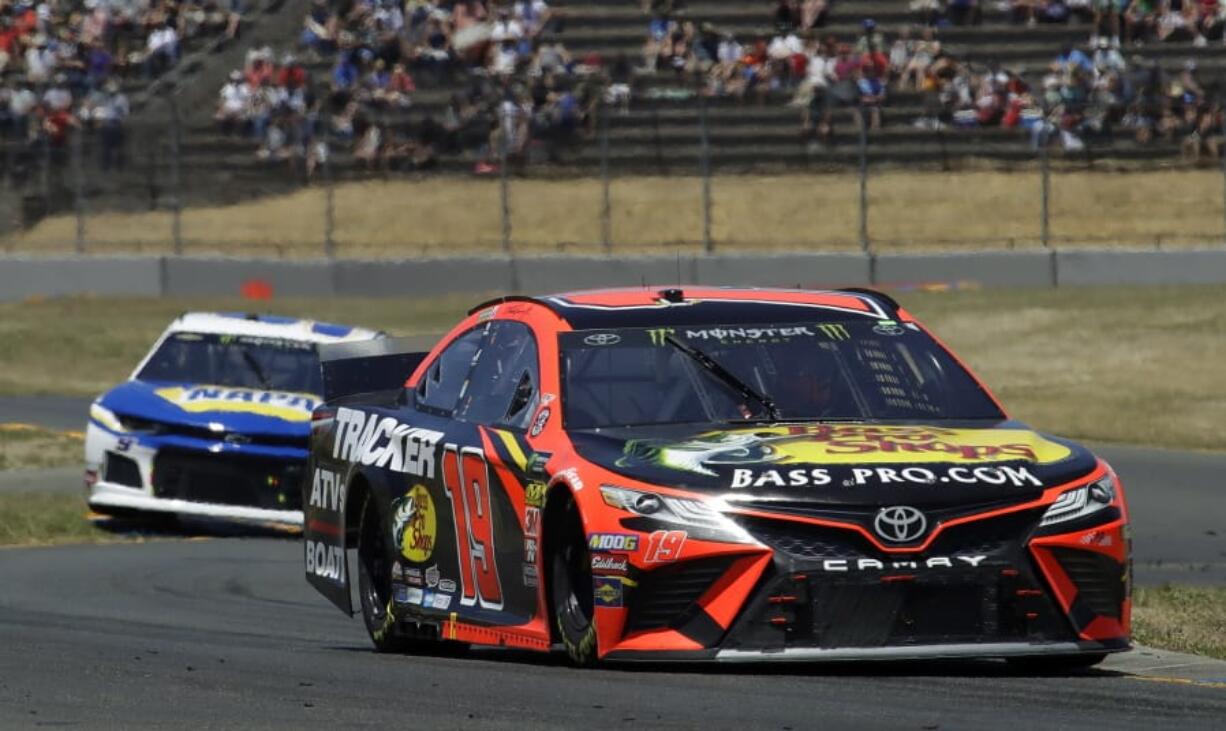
706 474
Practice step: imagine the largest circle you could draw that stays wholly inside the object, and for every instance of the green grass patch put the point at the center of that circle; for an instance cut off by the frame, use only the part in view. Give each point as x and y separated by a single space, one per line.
1181 618
43 518
34 448
1138 365
81 346
1134 365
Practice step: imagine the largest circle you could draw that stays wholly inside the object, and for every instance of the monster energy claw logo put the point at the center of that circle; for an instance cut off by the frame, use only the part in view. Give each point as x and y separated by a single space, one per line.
659 335
834 331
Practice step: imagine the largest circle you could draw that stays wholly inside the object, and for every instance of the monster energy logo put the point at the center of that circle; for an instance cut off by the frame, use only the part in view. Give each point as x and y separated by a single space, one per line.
834 331
659 335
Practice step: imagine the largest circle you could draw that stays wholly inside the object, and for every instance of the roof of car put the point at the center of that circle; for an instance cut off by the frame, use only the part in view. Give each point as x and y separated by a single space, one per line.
268 326
692 305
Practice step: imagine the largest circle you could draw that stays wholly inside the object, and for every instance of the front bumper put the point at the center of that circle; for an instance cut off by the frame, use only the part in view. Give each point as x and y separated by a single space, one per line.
987 589
105 497
185 475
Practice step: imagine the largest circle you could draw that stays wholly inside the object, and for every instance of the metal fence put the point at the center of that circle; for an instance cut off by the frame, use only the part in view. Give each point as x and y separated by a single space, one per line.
615 186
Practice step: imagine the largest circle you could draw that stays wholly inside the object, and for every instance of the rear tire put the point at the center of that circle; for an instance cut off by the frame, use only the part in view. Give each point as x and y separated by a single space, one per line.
375 581
1053 664
570 586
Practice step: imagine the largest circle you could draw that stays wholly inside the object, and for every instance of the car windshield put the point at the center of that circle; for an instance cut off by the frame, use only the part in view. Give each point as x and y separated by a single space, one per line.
235 360
861 370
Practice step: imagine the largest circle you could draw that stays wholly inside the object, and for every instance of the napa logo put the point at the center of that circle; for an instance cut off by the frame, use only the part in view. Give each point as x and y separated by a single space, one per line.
278 404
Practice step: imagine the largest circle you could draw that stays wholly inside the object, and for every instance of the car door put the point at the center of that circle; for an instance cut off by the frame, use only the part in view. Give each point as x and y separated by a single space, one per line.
470 560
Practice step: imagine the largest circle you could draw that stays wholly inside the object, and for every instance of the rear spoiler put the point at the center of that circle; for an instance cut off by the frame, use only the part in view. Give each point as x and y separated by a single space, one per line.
362 366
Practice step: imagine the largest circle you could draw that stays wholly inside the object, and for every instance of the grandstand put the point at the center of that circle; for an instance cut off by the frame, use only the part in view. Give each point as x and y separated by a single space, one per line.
178 154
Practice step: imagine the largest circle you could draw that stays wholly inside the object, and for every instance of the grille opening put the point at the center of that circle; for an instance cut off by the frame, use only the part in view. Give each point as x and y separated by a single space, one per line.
664 594
121 470
229 479
805 541
1100 579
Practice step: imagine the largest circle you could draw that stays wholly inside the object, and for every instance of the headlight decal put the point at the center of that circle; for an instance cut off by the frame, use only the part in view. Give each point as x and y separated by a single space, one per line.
1080 502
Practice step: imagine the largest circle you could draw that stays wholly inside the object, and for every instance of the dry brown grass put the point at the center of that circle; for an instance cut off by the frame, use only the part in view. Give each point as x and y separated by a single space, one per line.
1128 364
83 346
1181 618
441 216
34 448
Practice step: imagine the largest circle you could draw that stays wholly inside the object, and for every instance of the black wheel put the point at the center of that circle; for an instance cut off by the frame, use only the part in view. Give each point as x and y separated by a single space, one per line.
570 587
1056 663
375 581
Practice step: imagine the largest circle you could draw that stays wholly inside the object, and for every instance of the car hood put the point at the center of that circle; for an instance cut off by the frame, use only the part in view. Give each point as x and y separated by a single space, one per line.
243 410
845 463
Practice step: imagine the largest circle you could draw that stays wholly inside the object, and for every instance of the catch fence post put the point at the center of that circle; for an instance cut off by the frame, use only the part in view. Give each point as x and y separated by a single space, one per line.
1222 153
864 243
606 207
705 162
329 199
1045 181
78 189
176 181
503 181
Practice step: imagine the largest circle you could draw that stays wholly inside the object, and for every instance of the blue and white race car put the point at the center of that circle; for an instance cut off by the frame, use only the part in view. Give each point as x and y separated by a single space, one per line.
214 421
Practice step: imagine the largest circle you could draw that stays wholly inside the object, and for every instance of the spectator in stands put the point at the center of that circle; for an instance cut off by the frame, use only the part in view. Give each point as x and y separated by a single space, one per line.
58 98
232 103
620 76
1205 138
8 41
925 53
927 12
872 95
162 49
533 15
787 58
813 14
39 60
22 104
1140 21
107 110
967 12
319 29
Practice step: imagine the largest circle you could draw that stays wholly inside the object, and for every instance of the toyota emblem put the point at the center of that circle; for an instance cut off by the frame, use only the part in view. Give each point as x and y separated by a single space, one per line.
603 339
900 524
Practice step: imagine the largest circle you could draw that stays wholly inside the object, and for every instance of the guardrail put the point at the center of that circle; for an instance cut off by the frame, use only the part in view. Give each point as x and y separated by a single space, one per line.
25 277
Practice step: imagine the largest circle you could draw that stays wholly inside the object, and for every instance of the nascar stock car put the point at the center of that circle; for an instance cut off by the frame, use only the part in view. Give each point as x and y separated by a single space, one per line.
213 422
707 474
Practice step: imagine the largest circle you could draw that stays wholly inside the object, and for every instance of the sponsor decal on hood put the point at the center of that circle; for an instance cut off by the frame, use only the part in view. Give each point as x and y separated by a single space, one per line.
830 444
296 407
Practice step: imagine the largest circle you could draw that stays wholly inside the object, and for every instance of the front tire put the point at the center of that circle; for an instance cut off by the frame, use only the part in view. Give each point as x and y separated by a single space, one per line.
570 587
375 581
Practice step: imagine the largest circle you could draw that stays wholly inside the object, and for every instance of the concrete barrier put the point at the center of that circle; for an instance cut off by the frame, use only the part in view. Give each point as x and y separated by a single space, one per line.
22 277
987 268
1180 266
544 274
372 278
784 270
226 276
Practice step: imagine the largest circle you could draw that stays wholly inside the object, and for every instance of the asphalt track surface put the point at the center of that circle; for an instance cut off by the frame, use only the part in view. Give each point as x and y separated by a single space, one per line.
225 633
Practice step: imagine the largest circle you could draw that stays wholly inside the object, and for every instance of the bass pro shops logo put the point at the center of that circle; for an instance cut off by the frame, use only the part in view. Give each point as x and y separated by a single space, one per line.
900 524
414 525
